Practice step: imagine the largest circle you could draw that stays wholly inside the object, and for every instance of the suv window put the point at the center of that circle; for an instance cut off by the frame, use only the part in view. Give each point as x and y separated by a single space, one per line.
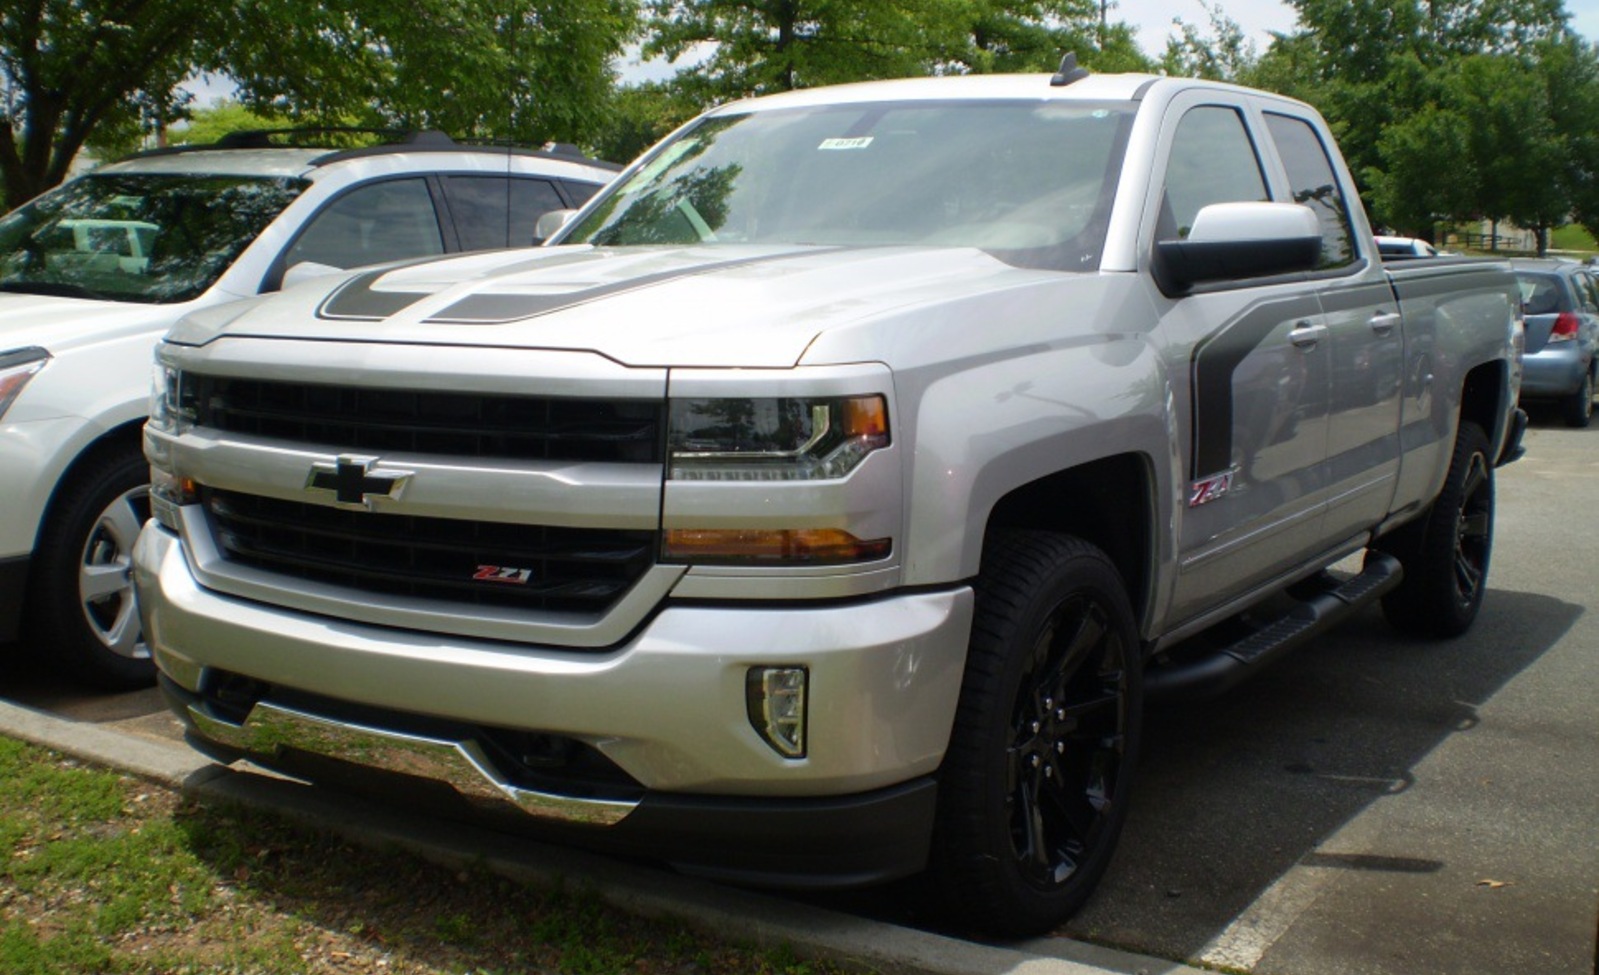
494 211
1213 160
390 220
1310 170
145 237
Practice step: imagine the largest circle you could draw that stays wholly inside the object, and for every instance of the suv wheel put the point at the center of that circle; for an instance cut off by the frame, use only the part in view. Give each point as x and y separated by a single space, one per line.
82 616
1035 785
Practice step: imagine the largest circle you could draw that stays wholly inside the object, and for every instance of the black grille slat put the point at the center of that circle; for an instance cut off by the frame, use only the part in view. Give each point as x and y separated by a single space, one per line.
569 569
434 422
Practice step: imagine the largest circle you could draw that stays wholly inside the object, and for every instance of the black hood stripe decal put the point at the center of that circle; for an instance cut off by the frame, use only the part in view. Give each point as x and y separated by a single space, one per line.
502 309
356 301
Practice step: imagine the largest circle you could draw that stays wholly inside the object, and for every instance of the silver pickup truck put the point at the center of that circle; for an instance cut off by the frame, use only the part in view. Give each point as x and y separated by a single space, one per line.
823 506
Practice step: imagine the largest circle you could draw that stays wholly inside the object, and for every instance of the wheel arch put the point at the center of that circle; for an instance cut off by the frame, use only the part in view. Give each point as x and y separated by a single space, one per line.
120 437
1109 503
1485 401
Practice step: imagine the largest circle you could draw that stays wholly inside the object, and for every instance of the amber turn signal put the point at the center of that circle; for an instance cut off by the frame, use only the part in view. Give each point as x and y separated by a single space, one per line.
803 546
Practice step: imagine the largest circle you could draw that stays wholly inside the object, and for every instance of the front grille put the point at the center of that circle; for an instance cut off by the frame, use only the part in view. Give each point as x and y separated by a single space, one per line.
538 567
351 418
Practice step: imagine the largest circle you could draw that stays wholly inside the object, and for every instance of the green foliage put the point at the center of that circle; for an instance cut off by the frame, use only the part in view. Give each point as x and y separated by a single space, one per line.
1449 110
71 67
754 47
207 125
1224 54
639 117
532 70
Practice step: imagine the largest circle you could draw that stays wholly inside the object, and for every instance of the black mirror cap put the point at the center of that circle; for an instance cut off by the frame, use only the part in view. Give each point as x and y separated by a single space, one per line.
1181 264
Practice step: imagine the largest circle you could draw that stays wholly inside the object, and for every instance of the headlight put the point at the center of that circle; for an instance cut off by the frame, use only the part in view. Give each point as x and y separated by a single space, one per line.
16 368
171 399
172 411
773 439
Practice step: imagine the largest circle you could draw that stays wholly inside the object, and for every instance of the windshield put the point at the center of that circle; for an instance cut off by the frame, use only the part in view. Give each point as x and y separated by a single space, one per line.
1029 182
145 237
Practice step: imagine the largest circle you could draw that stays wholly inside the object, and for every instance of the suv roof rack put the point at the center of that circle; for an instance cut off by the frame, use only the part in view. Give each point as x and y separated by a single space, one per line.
395 140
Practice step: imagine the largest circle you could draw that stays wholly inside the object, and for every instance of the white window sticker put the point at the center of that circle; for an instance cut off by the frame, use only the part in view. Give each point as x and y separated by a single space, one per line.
861 143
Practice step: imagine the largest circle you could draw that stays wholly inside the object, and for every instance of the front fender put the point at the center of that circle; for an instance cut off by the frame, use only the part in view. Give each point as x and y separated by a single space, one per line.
990 429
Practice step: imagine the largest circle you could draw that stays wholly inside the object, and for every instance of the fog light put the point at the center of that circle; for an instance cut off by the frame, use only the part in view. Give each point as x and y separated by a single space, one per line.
775 697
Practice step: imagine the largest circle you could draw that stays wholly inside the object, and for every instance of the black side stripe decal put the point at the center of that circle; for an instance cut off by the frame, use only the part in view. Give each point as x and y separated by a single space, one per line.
1216 357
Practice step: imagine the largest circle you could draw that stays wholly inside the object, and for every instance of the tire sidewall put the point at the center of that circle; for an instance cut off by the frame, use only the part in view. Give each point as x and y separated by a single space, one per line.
57 630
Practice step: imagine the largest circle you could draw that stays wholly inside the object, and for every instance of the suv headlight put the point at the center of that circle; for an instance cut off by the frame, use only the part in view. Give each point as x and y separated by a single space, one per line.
171 400
797 439
172 411
16 368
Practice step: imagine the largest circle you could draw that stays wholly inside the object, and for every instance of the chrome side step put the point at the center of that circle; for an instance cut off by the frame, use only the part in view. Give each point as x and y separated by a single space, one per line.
462 765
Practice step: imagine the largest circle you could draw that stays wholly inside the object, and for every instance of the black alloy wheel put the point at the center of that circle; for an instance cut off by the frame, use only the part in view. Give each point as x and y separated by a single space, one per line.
1035 784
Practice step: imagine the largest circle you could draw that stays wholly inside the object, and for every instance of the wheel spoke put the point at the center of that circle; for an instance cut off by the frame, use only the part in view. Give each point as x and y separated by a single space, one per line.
122 637
96 582
1475 477
1074 805
122 522
1468 575
1475 525
1083 711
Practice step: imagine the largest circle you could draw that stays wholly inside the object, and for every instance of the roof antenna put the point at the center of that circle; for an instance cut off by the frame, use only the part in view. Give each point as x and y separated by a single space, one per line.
1069 71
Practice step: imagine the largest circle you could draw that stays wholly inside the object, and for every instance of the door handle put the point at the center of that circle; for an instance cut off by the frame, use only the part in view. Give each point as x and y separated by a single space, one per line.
1384 322
1306 335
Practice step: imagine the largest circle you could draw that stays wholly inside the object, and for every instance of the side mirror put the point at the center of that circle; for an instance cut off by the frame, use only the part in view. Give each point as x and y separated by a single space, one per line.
549 224
1230 241
306 271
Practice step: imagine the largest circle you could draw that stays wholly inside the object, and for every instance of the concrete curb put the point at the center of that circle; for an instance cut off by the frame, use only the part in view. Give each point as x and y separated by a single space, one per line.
726 912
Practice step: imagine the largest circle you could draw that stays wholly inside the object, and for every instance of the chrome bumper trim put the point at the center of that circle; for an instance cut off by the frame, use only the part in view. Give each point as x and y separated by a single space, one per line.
459 764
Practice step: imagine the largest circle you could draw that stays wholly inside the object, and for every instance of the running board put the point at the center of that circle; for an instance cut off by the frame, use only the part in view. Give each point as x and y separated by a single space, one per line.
1216 672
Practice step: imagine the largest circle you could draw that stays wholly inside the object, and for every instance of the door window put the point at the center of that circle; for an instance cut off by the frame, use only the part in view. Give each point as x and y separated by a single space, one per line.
388 221
1310 170
494 211
1212 161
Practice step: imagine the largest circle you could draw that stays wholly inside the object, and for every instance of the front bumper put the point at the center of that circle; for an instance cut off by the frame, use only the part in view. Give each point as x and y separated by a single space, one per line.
793 843
666 708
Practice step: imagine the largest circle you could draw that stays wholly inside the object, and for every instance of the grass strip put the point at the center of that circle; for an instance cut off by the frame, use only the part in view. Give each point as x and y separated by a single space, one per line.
103 873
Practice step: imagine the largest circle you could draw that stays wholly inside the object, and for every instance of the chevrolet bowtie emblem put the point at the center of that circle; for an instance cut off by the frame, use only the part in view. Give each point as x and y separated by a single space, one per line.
354 483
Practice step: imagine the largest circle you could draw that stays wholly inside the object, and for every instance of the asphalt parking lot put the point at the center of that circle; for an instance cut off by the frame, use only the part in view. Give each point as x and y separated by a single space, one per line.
1371 805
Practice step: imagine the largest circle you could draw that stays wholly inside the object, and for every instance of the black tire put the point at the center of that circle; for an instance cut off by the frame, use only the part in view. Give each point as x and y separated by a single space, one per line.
1578 407
1445 553
82 619
1035 785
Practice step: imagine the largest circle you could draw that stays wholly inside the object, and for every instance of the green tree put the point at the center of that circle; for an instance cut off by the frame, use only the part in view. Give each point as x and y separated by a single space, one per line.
526 69
1390 77
1222 54
1031 35
763 46
642 115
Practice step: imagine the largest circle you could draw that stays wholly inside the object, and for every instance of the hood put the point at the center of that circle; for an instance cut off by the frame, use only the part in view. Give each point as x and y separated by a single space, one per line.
60 324
711 306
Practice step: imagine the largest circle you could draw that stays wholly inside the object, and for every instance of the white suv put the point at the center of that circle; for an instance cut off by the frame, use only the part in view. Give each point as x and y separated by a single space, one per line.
93 272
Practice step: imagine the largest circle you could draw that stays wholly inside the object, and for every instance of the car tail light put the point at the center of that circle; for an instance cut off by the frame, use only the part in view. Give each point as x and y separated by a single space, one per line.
1565 327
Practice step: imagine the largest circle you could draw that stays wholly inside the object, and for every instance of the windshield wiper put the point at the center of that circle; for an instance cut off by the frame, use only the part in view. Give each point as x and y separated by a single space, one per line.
57 289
